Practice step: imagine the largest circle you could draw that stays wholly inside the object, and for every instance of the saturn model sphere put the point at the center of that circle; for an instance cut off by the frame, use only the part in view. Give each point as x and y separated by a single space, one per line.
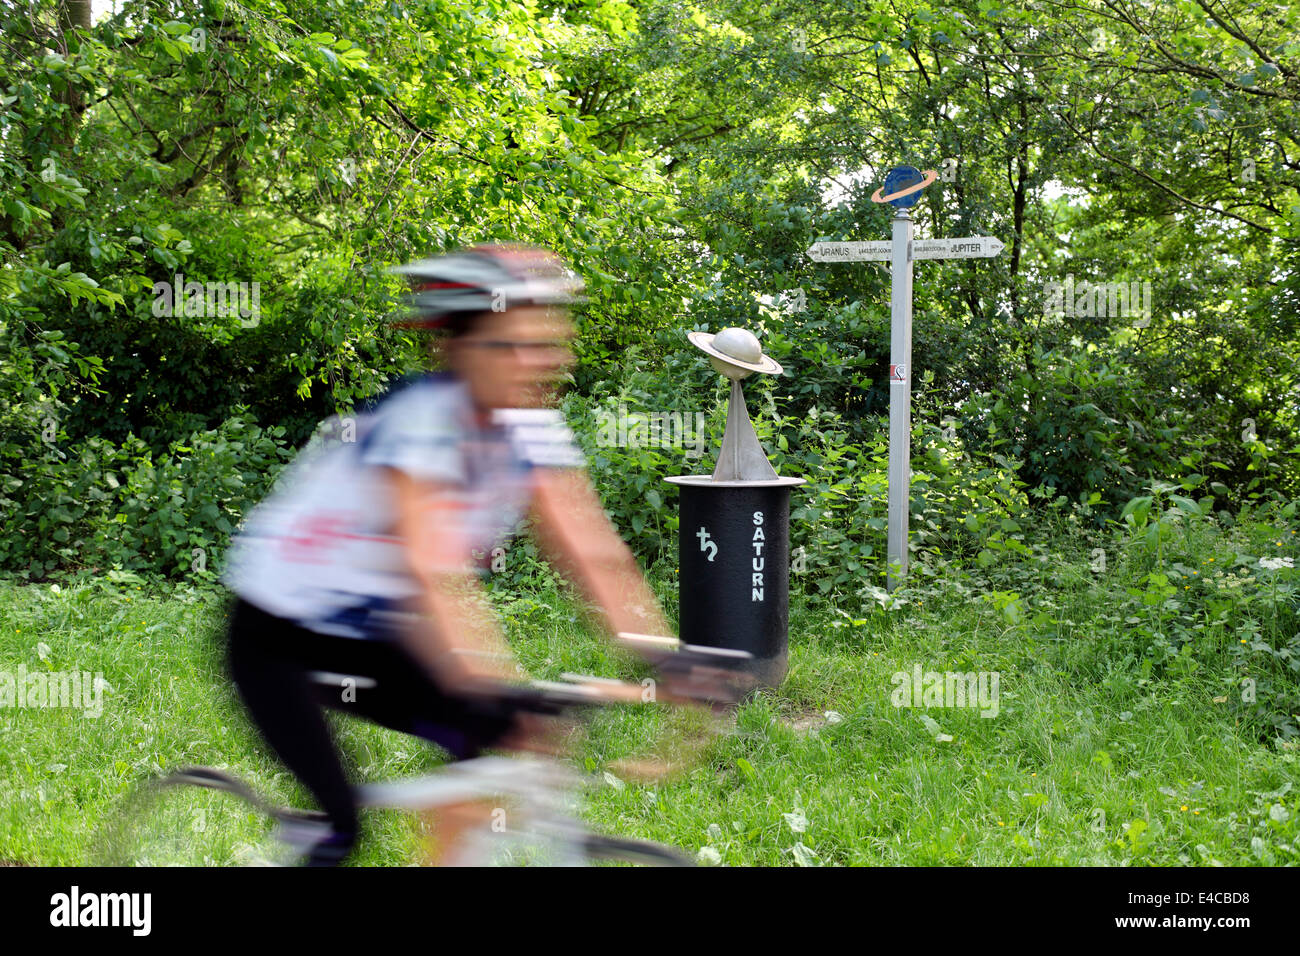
734 353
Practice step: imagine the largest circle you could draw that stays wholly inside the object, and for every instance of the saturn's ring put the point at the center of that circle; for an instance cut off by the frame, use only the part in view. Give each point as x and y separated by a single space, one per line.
930 176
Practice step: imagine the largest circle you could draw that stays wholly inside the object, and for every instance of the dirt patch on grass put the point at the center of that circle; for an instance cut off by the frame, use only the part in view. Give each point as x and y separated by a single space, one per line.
812 721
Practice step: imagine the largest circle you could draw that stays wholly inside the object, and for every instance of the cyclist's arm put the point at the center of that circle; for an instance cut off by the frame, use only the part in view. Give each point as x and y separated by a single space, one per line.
461 642
577 536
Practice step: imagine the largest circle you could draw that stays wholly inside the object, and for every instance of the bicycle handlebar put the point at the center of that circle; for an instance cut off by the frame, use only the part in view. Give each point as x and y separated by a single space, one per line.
690 673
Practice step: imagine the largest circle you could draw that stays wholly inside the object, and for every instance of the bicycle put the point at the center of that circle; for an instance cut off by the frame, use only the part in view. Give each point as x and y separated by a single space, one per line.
202 816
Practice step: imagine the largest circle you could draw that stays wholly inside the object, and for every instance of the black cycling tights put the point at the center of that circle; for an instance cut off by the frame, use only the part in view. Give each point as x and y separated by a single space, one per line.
272 662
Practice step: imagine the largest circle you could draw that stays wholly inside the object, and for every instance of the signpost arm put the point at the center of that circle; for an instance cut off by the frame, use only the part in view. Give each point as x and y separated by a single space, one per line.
900 395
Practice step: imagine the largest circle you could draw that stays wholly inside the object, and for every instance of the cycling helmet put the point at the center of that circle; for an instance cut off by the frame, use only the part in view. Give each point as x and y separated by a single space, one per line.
485 278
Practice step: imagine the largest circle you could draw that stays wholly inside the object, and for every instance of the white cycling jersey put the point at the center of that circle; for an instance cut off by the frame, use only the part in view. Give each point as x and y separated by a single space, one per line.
321 549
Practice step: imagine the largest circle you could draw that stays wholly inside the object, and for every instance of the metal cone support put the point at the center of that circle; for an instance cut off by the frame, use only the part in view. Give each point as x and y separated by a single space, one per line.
741 457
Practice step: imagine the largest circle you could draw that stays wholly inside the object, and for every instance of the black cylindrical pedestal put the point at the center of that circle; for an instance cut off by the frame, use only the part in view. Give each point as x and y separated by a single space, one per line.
734 554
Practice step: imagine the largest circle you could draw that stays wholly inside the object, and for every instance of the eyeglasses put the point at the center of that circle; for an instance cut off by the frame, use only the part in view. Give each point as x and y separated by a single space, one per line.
502 345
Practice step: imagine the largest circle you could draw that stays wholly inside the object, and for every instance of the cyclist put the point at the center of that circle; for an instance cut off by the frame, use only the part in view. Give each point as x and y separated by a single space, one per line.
355 582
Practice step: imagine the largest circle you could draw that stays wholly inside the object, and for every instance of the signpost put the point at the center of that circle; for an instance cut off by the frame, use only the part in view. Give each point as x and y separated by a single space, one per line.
901 189
977 247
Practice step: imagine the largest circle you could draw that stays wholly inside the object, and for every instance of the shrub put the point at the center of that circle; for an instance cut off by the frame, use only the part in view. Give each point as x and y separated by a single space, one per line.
101 504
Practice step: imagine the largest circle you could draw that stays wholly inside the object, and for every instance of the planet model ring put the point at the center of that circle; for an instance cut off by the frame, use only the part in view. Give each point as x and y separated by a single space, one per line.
757 361
930 176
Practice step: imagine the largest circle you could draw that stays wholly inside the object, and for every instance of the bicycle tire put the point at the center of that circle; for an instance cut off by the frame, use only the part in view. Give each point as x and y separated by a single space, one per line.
199 816
641 852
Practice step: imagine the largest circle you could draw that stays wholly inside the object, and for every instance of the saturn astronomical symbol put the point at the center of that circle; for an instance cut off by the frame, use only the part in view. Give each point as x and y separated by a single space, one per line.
902 188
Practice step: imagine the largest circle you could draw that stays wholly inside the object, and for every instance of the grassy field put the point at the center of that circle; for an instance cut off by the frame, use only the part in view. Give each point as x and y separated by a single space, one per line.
1115 740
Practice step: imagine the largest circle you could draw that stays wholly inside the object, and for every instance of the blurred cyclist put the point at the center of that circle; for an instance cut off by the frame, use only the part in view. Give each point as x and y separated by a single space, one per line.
355 580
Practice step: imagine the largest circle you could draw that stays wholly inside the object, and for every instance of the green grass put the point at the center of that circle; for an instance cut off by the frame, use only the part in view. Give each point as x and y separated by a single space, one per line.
1109 747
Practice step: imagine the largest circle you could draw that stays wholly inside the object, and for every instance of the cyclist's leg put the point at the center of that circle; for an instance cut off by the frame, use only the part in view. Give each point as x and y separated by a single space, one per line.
273 682
406 698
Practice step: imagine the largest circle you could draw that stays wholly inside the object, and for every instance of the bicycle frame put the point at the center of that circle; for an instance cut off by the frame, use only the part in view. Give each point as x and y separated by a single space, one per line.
541 791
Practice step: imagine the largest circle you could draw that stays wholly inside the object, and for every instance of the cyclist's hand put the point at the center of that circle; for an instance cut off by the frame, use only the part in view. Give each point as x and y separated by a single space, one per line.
693 675
715 687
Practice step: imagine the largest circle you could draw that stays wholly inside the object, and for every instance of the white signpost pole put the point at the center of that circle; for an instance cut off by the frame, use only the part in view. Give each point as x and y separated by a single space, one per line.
901 251
900 395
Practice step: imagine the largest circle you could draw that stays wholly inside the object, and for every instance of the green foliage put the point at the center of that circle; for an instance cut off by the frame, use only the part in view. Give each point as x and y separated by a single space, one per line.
1079 425
1180 602
103 505
682 158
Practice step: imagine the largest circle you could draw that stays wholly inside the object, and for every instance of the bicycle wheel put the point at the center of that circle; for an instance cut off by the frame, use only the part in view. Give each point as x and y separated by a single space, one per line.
203 817
638 852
